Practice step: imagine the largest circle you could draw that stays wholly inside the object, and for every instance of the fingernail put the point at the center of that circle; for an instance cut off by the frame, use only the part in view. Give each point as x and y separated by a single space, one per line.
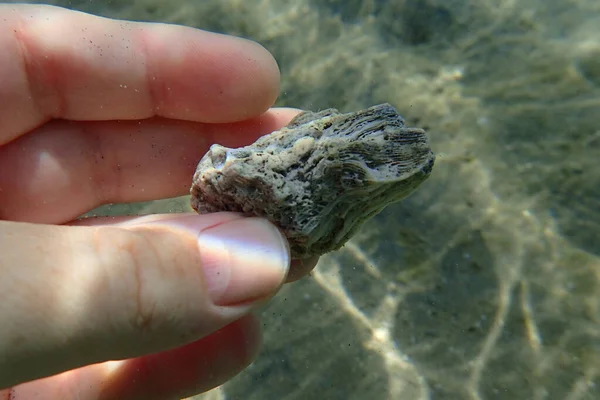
243 260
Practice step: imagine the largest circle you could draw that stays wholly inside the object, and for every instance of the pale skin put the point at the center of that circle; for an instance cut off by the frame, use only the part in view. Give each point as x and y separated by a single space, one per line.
97 111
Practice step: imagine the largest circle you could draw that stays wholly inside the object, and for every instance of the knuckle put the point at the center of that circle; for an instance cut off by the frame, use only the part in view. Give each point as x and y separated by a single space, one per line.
129 257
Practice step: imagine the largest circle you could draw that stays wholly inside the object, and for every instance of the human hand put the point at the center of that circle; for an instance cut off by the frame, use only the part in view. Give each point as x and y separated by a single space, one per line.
97 111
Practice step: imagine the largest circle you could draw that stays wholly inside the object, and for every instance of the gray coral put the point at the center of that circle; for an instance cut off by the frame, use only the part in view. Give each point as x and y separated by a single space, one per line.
320 177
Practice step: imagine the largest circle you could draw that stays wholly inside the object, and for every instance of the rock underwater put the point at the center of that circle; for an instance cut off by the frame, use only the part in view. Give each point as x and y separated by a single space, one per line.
319 178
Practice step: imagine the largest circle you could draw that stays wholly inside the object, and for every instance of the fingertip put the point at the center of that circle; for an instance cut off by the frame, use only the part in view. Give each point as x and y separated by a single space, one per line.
208 77
244 260
301 268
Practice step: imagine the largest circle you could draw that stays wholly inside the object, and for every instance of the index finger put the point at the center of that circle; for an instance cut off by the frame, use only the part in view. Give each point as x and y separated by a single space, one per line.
58 63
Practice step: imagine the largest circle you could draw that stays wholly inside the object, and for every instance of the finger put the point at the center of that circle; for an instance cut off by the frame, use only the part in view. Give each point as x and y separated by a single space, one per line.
59 63
174 374
298 267
117 292
64 169
301 268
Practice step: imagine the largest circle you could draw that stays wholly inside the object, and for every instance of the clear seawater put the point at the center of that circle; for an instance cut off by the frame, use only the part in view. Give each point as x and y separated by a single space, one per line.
484 284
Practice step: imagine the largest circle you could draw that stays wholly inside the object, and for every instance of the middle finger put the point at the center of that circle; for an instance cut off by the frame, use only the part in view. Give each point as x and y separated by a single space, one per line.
65 169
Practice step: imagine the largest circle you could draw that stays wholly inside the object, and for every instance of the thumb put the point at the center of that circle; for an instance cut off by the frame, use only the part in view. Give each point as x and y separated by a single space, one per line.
76 295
